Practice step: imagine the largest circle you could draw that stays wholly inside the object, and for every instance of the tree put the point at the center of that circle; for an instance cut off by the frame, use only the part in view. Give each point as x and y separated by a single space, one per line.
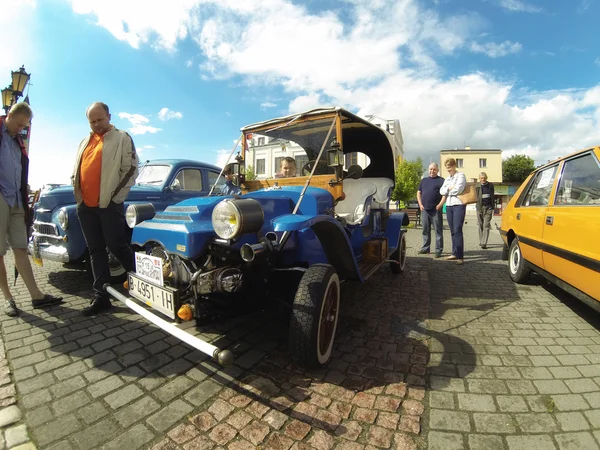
517 168
250 175
408 177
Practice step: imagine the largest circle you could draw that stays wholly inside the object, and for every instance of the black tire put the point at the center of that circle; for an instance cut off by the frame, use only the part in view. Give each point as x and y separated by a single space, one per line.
314 317
399 256
517 269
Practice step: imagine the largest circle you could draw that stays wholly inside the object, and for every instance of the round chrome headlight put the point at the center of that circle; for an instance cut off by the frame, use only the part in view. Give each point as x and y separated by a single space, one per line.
135 214
231 218
63 218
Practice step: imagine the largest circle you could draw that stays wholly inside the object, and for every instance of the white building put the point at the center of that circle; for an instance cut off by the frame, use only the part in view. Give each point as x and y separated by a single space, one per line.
264 154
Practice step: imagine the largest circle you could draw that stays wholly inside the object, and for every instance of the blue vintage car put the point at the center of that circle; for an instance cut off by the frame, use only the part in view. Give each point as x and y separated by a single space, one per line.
57 234
285 240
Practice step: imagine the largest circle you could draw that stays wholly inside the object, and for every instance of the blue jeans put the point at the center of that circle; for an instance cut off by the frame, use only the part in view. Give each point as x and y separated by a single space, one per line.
456 218
429 218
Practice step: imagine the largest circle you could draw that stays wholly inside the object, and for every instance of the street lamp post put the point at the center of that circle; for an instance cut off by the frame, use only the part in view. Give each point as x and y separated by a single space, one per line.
11 95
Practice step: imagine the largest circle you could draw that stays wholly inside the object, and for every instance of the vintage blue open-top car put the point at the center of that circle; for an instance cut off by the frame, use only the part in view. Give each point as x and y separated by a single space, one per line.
57 234
290 240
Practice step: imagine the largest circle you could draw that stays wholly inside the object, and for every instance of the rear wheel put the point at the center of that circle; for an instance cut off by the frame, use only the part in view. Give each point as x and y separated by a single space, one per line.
399 256
314 316
517 269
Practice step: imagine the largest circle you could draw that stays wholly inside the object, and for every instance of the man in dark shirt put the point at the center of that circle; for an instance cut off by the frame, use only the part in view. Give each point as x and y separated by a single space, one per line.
431 203
485 208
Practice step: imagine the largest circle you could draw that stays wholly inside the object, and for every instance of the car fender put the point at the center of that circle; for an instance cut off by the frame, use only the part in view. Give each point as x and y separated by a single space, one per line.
393 229
332 237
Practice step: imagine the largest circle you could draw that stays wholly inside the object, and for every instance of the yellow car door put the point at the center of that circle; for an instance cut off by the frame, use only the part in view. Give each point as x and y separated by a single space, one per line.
571 247
530 215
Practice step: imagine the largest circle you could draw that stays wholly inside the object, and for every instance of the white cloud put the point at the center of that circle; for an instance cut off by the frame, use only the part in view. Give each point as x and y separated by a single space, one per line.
494 50
265 105
584 6
166 114
379 57
519 6
597 61
138 123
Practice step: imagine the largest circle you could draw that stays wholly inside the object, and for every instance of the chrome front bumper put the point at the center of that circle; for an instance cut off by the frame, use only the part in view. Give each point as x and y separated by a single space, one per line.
49 252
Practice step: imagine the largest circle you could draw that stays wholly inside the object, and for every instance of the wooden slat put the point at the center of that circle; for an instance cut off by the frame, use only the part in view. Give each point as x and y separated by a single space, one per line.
320 181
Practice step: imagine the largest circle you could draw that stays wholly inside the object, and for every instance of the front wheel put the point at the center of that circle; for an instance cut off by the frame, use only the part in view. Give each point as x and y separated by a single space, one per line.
399 256
314 316
517 269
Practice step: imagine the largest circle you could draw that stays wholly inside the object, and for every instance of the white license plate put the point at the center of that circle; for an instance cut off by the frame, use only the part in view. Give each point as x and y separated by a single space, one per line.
154 296
150 268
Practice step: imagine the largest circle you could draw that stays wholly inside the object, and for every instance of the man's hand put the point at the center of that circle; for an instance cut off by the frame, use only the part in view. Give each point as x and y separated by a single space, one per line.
439 206
422 207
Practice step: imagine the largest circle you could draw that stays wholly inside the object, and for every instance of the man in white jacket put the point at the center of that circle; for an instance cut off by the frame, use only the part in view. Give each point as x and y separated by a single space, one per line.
105 170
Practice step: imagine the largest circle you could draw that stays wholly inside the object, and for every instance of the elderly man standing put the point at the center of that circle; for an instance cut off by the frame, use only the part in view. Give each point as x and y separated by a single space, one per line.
14 210
485 208
431 203
105 169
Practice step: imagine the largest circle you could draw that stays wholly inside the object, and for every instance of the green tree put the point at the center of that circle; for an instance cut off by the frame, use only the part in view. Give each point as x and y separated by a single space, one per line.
408 177
250 175
517 168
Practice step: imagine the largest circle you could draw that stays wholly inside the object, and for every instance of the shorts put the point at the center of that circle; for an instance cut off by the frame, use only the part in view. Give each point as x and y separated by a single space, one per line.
12 227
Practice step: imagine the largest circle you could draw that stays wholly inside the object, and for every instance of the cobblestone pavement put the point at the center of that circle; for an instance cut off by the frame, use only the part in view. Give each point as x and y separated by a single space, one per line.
511 367
495 366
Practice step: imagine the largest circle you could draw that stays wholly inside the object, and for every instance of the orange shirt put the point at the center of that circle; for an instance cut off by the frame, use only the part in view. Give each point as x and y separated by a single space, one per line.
91 170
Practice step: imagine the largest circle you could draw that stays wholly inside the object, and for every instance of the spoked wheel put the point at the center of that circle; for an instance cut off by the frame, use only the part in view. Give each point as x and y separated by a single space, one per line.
314 316
399 256
517 269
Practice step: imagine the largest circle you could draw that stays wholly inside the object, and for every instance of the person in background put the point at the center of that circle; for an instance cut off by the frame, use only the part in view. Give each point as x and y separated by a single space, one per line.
15 215
485 208
229 188
453 186
105 169
287 168
431 203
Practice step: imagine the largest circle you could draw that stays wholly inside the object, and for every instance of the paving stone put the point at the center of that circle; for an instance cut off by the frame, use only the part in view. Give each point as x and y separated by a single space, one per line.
95 435
123 396
449 420
168 416
570 402
511 403
536 423
38 398
70 403
441 400
136 411
593 399
487 386
15 436
493 423
485 442
447 384
476 402
173 389
594 418
183 433
134 438
551 387
68 386
91 413
445 441
576 441
572 421
9 415
57 429
581 385
203 392
255 432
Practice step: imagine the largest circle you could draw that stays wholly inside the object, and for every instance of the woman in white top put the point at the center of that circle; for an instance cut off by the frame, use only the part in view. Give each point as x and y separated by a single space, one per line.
453 186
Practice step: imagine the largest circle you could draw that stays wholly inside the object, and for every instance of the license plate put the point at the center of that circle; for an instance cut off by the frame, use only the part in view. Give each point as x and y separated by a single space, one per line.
160 298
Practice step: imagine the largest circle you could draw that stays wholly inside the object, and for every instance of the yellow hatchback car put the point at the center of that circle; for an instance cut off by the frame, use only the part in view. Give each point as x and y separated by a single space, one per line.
552 226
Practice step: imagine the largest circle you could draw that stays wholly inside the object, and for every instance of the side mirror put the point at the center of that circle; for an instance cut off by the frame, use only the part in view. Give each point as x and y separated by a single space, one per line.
355 172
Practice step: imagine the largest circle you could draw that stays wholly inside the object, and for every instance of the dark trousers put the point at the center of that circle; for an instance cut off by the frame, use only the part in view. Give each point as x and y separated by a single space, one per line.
105 228
456 219
484 218
429 218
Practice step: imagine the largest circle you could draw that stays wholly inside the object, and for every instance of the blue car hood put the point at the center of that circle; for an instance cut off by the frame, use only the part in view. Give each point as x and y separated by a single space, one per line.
63 196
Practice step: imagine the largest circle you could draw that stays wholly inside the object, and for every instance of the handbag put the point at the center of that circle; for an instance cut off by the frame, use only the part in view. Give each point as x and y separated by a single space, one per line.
469 195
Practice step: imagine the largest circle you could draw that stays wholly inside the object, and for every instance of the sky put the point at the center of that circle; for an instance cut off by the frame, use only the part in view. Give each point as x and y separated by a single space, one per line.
182 79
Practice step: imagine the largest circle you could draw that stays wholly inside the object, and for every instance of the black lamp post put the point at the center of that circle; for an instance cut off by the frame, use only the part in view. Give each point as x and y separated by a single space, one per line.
12 93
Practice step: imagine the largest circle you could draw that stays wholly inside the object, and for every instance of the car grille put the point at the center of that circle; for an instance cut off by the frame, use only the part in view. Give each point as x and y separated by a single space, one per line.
46 228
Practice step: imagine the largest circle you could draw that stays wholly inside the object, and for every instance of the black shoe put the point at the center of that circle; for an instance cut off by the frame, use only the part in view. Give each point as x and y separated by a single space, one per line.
438 254
10 308
423 252
484 247
47 300
97 305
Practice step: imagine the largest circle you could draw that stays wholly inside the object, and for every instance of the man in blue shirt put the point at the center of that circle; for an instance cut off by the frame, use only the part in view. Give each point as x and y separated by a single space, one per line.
229 188
14 208
431 203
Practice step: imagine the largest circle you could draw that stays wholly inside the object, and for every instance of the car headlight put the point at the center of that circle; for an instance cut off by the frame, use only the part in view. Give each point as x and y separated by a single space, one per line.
137 213
63 218
231 218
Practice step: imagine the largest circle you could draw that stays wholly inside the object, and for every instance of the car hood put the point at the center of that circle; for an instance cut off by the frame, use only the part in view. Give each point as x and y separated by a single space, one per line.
63 196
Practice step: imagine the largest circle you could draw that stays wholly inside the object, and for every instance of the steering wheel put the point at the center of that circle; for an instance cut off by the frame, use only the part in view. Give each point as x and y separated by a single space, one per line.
308 167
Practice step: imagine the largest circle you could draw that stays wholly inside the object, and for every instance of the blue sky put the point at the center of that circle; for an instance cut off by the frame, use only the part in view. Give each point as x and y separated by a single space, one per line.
520 75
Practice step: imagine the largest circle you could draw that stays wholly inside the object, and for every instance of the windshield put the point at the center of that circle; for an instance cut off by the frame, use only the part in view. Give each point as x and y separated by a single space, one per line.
153 174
